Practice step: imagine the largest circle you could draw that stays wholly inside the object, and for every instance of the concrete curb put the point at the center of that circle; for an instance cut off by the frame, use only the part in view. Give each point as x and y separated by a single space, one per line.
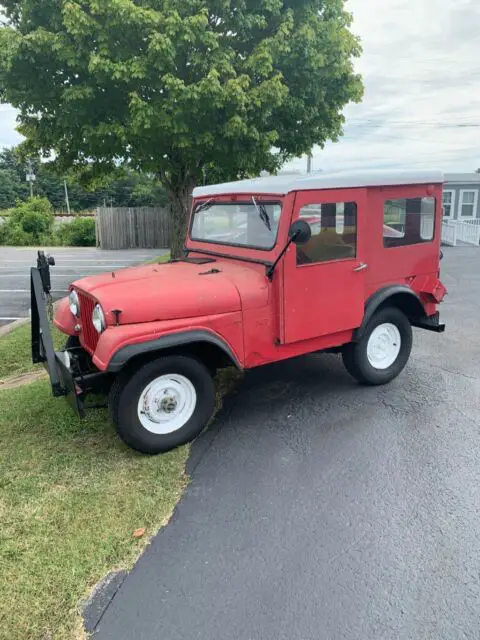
12 326
99 600
19 323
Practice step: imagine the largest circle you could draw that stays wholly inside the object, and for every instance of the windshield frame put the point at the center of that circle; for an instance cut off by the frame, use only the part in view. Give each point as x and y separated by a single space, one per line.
244 200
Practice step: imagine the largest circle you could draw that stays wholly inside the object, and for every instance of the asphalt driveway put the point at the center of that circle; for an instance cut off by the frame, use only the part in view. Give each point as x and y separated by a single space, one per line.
72 263
320 509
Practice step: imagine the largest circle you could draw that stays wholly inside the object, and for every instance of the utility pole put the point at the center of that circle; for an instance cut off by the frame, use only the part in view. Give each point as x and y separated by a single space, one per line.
66 197
309 163
31 177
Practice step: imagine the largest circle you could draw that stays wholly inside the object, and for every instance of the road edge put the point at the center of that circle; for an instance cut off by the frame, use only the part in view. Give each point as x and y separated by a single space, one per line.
8 328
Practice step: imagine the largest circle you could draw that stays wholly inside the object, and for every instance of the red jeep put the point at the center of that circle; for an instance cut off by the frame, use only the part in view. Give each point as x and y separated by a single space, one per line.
273 268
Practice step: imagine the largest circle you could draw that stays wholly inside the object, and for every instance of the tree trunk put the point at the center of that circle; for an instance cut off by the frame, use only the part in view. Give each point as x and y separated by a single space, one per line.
179 214
180 202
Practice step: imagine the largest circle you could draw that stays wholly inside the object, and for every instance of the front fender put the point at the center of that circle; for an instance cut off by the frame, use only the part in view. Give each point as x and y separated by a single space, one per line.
64 320
117 345
121 357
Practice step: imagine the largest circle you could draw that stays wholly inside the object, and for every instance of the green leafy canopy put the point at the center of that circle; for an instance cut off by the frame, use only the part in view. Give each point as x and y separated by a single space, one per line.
178 87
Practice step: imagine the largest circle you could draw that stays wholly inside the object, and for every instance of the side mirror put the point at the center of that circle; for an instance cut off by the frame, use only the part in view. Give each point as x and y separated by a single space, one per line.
300 232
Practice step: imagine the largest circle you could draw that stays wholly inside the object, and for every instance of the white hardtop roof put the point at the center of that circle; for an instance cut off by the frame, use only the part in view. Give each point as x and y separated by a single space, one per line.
281 185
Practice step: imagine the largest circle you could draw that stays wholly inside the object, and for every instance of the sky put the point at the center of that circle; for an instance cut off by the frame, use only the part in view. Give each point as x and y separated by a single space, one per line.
421 109
421 71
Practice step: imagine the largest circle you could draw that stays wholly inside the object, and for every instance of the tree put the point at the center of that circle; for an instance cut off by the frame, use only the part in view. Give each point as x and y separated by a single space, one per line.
179 88
123 187
13 186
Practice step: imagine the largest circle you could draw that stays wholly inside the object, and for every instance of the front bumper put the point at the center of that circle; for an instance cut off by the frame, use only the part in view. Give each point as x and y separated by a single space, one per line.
69 377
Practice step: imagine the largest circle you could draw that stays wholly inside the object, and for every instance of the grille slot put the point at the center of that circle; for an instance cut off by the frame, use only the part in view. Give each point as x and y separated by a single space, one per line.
89 335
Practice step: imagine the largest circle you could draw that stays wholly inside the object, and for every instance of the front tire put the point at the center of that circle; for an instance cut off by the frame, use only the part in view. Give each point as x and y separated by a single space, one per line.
383 351
163 404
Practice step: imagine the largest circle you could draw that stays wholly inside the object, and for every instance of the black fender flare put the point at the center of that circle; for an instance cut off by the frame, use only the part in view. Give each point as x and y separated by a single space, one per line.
121 358
380 297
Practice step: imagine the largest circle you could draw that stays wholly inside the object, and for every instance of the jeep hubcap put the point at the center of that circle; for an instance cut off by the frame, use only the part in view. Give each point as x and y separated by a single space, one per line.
384 346
167 404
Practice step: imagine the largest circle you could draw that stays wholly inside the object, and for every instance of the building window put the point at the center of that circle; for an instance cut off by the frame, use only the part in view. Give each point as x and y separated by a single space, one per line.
468 203
334 232
408 221
448 204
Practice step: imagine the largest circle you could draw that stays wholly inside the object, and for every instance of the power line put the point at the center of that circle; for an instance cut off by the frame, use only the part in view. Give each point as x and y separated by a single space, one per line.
411 124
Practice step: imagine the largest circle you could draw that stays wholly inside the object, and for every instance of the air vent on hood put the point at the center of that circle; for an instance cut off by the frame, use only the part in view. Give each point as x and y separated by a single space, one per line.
195 260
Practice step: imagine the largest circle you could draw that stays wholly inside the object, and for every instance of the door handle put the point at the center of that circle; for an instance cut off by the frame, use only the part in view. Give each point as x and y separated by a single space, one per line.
361 267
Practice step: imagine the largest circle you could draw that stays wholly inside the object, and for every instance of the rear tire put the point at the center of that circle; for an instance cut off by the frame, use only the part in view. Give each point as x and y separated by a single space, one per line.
162 405
383 351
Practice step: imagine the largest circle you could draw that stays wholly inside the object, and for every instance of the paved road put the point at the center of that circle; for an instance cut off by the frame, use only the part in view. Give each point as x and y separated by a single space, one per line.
71 263
322 510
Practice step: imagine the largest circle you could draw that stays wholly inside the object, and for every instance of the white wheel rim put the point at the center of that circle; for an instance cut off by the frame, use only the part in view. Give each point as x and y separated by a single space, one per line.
167 404
384 346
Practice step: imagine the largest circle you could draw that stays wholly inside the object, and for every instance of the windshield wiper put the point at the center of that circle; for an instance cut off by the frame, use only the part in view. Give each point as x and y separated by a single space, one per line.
262 212
205 205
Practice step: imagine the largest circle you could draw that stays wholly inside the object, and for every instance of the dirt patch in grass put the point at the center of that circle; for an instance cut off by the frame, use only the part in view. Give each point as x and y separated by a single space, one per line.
19 381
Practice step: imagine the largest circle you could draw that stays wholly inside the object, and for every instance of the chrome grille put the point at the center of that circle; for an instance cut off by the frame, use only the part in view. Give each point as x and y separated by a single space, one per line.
89 335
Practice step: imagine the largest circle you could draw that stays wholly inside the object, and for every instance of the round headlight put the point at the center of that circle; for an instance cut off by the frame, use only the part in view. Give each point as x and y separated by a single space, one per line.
74 303
98 319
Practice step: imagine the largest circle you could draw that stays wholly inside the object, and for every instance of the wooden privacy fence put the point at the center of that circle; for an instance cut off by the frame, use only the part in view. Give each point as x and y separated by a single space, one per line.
133 228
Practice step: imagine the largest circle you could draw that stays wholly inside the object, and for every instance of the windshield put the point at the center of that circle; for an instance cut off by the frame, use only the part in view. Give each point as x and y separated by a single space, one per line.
251 223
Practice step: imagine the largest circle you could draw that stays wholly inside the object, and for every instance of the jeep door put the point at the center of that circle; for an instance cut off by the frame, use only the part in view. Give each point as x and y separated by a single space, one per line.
324 280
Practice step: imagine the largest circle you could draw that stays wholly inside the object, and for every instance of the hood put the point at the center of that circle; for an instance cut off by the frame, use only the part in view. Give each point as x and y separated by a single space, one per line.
176 290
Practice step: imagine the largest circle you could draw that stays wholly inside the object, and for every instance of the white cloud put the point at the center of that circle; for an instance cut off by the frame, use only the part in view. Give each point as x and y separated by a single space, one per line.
8 135
422 88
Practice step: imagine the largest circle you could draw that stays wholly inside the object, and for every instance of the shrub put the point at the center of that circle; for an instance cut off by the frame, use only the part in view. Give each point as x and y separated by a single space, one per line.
29 223
3 233
14 235
78 233
35 223
35 215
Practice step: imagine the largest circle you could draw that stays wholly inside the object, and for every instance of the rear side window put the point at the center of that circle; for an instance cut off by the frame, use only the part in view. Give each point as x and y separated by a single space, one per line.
334 232
408 221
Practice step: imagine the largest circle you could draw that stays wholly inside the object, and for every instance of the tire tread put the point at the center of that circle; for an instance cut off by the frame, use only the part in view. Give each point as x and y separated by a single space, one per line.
124 392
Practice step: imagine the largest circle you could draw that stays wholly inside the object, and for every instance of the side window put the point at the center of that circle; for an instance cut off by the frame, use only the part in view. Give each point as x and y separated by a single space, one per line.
408 221
334 232
448 203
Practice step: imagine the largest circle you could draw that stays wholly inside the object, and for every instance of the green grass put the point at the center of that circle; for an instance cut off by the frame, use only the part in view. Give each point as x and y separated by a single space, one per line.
16 351
159 259
71 496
